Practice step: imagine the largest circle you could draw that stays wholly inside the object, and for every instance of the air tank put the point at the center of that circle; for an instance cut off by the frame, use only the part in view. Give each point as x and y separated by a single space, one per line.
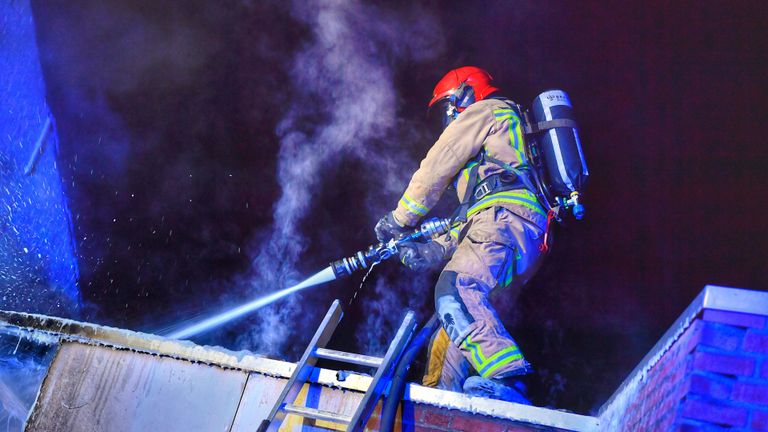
566 169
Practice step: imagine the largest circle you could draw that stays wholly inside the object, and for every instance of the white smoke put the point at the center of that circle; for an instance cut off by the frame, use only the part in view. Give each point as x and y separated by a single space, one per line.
345 105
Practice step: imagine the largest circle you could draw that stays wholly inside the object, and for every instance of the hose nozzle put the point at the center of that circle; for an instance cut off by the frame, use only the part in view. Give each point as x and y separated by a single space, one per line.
363 259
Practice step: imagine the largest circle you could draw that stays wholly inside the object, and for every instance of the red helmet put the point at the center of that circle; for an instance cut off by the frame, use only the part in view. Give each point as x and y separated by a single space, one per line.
459 89
478 79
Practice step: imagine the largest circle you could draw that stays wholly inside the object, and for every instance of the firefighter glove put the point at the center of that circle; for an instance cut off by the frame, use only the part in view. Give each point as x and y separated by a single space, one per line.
388 228
421 256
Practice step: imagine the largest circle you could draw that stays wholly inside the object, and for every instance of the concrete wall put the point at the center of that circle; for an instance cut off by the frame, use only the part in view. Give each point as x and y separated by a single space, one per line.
38 267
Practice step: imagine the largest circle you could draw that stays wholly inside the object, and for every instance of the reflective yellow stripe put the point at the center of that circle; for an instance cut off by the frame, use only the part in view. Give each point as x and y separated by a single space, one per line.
514 141
501 358
455 232
413 206
502 112
486 366
477 356
465 171
509 274
518 140
515 131
416 204
520 197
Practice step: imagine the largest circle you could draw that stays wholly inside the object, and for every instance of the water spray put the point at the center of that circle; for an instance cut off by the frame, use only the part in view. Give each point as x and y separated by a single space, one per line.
362 260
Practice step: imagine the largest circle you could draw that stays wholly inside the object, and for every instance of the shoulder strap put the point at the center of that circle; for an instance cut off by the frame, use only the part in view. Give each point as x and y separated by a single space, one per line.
533 128
460 215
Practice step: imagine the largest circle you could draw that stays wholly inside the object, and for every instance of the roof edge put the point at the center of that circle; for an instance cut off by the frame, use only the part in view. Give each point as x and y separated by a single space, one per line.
66 330
736 300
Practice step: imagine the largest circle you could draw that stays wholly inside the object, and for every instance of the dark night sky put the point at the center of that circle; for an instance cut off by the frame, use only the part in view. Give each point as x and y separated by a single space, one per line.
172 116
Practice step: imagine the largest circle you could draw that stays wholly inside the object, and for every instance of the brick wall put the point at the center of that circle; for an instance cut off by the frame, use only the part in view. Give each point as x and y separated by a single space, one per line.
650 404
727 374
411 416
712 377
425 418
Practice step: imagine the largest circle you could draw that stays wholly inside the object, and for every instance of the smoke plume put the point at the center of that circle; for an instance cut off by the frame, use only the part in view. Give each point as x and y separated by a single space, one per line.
345 105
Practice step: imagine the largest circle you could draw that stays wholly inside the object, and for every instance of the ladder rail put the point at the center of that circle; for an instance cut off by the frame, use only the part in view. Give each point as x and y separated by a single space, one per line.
384 366
304 366
379 383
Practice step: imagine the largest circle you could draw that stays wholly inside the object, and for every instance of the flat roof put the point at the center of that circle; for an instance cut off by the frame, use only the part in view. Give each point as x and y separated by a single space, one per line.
53 329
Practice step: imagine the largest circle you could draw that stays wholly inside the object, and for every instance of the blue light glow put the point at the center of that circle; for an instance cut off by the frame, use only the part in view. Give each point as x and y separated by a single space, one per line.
38 265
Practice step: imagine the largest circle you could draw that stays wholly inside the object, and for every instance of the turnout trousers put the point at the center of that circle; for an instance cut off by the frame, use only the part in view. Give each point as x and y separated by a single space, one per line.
497 252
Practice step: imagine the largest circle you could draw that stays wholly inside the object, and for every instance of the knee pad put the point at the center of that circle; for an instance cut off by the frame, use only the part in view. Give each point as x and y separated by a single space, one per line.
450 307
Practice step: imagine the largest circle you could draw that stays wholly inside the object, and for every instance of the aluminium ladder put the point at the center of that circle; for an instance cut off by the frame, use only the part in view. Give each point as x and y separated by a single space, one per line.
316 350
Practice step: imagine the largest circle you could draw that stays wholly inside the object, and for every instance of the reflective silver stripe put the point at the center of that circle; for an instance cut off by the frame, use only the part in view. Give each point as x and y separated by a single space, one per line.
581 153
361 258
448 305
558 154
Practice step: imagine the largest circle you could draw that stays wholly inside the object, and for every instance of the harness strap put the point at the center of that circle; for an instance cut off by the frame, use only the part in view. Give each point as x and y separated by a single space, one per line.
495 183
476 191
522 174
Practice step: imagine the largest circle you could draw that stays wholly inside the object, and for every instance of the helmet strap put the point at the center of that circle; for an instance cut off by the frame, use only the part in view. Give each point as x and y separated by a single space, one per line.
464 96
451 112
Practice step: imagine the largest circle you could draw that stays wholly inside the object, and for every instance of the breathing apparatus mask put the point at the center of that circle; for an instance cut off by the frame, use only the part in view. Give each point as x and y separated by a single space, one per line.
447 109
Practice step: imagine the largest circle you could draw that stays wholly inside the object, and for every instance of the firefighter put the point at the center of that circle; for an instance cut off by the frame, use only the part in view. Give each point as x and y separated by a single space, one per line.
496 247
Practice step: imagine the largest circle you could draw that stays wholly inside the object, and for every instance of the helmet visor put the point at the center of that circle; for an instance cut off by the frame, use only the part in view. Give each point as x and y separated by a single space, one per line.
441 114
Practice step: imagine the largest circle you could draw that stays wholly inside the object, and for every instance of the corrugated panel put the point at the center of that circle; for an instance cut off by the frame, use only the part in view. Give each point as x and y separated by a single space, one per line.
261 392
94 388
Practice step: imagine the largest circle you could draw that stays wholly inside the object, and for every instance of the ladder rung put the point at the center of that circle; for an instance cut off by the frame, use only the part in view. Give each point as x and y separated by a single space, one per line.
352 358
317 414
